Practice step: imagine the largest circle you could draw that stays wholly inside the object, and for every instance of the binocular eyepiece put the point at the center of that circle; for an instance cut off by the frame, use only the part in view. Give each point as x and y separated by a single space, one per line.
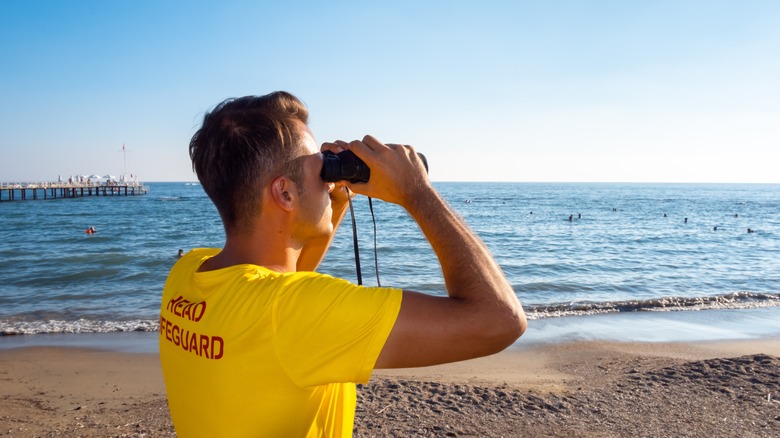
347 166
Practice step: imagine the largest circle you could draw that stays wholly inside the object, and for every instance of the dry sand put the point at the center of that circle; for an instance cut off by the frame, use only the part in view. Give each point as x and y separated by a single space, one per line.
586 389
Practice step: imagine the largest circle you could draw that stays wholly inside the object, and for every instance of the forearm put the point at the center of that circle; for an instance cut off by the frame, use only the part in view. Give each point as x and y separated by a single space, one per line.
485 299
314 251
481 316
469 270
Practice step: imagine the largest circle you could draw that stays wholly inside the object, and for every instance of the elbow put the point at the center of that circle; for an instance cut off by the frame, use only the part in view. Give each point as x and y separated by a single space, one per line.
515 324
522 324
506 329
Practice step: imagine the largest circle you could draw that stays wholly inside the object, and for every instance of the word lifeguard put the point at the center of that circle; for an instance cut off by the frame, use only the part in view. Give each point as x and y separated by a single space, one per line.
210 347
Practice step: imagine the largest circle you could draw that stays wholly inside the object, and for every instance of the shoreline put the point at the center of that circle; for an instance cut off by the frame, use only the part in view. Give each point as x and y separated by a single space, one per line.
641 327
580 388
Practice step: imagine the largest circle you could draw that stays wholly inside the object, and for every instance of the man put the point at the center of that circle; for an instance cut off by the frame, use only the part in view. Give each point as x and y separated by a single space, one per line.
252 341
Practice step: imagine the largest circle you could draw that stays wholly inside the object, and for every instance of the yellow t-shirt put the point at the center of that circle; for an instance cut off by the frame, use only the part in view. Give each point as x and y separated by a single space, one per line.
249 352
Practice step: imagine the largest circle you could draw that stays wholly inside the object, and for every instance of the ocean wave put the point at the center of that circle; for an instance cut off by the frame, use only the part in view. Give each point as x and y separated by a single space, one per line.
10 328
735 300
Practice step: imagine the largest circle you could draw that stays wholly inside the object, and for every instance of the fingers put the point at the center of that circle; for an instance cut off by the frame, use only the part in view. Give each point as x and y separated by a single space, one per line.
396 170
360 148
363 149
373 143
409 149
369 149
378 146
335 147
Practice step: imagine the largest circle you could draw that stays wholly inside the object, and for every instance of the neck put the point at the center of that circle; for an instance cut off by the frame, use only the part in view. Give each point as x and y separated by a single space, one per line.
273 250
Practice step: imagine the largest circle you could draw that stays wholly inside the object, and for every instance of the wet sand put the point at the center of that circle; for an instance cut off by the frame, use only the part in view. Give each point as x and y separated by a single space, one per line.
582 389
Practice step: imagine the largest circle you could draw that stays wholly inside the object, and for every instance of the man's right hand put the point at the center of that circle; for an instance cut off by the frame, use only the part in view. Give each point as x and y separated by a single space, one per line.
397 173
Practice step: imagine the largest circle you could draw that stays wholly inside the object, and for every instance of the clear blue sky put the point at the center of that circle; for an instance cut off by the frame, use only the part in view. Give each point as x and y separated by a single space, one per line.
644 91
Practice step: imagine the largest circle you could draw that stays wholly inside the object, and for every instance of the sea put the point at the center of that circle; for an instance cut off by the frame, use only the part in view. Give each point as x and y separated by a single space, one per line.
625 262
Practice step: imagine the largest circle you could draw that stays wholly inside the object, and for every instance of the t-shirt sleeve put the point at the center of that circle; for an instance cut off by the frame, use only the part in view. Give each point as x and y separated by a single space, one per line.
328 330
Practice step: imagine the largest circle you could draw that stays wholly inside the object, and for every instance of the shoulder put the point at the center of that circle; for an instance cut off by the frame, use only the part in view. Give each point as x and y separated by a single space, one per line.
312 288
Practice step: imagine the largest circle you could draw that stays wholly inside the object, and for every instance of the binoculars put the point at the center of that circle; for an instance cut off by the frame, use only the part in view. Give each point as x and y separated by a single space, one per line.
347 166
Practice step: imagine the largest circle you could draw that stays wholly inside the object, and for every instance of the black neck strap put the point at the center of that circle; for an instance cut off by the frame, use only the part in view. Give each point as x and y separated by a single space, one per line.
355 240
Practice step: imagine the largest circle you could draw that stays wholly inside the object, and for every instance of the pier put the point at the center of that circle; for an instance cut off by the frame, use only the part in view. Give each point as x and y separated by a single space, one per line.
54 190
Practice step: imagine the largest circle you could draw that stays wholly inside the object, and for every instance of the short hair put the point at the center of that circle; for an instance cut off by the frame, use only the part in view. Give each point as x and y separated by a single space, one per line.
242 145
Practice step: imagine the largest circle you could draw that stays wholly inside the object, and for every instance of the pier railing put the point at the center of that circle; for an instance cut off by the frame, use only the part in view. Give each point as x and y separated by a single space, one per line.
46 190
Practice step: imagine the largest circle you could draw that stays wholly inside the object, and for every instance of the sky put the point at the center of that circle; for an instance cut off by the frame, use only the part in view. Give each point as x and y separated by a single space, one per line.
527 91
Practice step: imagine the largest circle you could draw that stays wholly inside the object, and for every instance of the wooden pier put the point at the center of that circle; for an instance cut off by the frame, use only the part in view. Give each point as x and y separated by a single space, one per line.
53 190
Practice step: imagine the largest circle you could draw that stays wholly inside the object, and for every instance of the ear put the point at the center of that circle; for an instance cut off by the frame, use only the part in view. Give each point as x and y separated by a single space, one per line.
283 192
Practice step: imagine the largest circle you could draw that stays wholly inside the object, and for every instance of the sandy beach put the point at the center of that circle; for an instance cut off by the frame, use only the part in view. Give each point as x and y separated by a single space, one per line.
583 389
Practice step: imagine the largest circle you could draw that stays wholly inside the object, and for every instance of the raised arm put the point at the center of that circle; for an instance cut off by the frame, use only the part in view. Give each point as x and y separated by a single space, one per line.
481 314
314 251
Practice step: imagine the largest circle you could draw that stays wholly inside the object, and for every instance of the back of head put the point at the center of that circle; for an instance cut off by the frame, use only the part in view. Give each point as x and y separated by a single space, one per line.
243 144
